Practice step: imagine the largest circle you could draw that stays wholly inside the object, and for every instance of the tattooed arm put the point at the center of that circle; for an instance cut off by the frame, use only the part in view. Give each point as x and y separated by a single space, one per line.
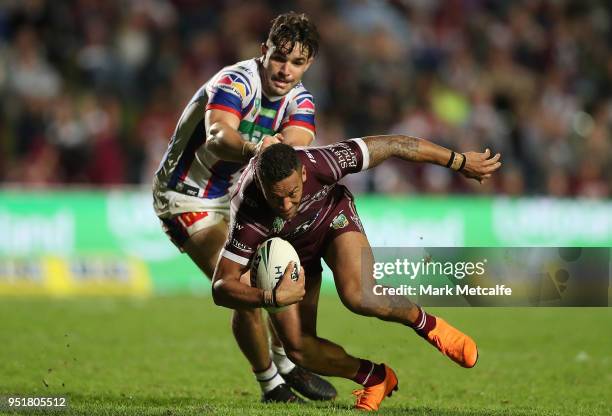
474 165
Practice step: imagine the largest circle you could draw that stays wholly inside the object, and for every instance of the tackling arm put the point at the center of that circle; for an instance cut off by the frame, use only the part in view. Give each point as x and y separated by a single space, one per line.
474 165
223 139
297 136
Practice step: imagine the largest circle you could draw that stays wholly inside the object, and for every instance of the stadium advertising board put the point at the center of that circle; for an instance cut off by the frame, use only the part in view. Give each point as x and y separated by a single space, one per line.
96 242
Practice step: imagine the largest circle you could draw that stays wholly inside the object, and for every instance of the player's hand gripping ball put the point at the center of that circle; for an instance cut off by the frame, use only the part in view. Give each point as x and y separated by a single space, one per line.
269 264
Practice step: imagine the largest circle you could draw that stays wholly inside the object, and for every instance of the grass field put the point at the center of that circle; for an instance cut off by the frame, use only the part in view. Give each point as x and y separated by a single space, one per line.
174 356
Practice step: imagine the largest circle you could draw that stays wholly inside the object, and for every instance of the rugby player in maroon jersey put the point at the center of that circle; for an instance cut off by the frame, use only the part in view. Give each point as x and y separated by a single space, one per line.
293 194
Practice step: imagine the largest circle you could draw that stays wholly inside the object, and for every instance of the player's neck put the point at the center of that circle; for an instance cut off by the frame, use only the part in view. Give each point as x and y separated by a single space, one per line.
271 97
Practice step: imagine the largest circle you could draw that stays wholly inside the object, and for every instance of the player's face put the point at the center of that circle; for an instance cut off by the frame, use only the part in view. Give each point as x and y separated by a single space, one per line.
282 72
284 197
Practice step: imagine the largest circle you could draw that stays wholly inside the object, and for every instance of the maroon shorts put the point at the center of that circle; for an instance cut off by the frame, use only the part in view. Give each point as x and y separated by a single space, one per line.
311 245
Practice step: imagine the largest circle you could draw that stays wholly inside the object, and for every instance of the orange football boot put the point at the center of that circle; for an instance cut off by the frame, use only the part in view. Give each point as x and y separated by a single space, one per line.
453 343
369 398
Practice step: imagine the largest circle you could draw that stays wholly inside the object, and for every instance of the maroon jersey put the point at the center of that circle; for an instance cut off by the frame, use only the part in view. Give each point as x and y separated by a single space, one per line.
325 211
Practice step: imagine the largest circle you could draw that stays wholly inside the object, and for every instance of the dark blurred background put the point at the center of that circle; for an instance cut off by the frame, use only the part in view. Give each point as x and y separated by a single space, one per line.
90 90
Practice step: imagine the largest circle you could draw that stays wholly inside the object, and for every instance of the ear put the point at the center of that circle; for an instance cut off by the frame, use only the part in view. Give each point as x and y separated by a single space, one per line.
303 174
309 62
264 49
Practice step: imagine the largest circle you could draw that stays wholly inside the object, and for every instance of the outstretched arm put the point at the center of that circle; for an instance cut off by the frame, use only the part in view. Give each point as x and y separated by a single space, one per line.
297 136
224 141
474 165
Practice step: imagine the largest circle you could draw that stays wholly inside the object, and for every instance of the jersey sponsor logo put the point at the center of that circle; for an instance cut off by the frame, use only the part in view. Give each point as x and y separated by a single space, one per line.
306 105
345 156
310 157
233 85
339 221
186 189
187 219
226 80
322 193
305 226
245 69
241 246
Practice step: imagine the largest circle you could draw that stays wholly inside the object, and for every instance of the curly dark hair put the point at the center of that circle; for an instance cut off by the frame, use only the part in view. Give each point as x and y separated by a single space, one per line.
276 163
290 28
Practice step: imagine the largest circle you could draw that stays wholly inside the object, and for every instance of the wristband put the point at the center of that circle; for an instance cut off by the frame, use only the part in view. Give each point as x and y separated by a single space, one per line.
456 165
462 163
451 160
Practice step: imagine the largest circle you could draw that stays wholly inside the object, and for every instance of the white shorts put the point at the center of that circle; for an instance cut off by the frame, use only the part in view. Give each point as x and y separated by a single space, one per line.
182 215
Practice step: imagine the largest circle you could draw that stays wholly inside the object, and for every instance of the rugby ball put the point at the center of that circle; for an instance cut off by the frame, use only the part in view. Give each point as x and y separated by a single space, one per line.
269 264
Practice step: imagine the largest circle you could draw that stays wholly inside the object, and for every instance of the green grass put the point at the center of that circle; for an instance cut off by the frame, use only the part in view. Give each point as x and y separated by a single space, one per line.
174 356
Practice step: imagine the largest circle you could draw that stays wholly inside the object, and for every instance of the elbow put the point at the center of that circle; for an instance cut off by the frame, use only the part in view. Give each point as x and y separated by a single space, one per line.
214 139
212 144
216 130
217 293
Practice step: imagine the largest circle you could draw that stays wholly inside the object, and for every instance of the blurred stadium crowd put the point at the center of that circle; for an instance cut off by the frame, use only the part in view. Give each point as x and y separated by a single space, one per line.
90 90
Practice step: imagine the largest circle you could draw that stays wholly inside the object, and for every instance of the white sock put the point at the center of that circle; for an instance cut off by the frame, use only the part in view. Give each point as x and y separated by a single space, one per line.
269 379
284 364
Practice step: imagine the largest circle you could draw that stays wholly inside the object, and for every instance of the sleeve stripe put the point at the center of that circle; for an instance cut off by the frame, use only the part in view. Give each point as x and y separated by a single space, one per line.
224 108
332 165
255 228
305 117
304 94
226 98
304 124
365 153
234 257
309 130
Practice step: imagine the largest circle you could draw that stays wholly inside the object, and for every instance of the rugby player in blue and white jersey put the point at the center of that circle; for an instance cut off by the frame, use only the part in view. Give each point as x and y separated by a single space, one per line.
242 108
